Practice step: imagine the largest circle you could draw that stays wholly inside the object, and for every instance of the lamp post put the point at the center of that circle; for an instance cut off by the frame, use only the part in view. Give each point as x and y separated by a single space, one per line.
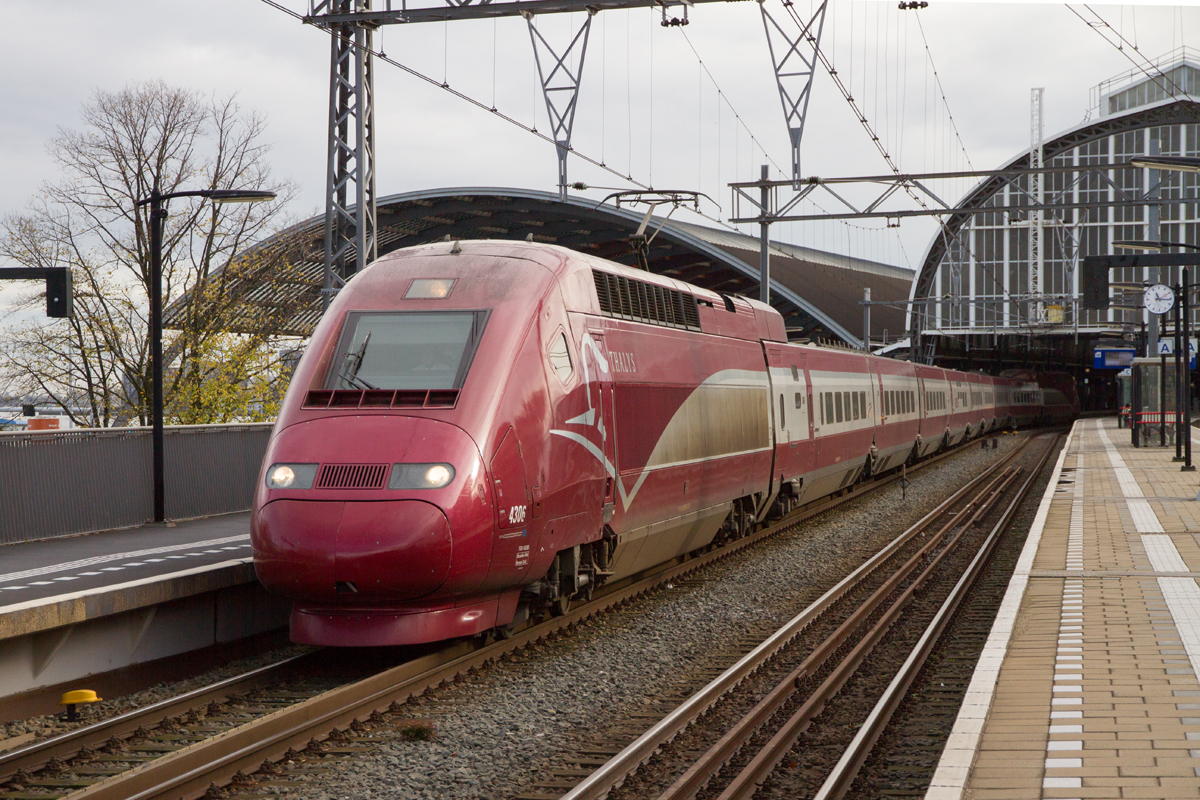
1184 302
158 213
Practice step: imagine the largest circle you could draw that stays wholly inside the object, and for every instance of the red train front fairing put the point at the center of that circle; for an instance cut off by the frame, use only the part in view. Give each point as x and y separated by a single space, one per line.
373 546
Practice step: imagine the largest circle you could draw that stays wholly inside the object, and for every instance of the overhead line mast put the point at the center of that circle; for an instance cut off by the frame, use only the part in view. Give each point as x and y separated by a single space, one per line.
350 220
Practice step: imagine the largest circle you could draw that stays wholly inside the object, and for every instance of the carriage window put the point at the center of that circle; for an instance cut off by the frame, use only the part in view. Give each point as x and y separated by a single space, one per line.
560 358
837 405
828 408
799 401
795 374
862 401
782 417
854 404
405 350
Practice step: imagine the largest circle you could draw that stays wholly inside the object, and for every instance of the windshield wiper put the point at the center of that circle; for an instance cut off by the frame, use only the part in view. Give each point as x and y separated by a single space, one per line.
349 372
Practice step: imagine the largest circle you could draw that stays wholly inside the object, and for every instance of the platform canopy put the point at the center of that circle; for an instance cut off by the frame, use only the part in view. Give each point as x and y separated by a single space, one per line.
817 293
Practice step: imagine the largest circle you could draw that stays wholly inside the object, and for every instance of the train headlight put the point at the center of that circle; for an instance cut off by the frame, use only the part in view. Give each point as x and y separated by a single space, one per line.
420 476
291 476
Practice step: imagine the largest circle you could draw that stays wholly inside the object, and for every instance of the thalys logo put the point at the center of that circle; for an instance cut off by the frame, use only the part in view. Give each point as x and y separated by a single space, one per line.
593 358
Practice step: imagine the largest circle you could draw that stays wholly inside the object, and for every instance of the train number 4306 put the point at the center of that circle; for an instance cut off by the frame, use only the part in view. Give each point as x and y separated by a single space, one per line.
516 515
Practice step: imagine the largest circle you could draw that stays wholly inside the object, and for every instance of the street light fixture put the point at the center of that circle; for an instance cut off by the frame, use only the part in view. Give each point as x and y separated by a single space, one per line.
1172 163
1152 245
158 213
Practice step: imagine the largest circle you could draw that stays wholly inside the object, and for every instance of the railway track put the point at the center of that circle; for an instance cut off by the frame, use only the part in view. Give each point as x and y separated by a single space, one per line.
783 687
184 746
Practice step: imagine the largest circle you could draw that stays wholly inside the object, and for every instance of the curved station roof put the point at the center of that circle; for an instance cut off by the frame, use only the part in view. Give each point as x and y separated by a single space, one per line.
1111 139
817 293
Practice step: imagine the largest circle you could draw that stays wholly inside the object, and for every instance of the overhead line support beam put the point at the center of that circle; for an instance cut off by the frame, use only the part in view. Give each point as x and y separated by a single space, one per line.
454 11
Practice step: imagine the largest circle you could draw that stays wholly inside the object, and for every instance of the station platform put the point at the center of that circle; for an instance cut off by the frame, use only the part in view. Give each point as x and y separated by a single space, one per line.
1087 687
79 605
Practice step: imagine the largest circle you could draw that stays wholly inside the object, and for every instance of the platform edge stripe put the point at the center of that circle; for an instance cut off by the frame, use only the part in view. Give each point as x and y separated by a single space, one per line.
954 766
32 616
87 562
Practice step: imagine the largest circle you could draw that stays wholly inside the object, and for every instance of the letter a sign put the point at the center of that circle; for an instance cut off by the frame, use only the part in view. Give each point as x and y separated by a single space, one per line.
1166 347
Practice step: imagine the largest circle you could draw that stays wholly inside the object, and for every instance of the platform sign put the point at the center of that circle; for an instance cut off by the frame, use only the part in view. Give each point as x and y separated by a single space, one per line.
1166 347
1113 358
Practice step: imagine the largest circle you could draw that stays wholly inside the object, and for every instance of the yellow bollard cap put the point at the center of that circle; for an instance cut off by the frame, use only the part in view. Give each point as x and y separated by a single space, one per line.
78 696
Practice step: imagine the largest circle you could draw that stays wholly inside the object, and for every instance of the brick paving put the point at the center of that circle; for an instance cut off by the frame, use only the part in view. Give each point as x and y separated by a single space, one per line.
1088 685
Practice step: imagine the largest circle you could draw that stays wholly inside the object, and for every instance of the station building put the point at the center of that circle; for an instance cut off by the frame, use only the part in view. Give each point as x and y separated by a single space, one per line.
984 297
982 301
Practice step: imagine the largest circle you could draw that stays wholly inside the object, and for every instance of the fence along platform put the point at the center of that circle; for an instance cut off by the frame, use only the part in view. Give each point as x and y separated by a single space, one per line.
59 483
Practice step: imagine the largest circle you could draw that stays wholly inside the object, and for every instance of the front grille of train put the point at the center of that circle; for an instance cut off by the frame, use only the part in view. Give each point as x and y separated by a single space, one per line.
352 476
381 398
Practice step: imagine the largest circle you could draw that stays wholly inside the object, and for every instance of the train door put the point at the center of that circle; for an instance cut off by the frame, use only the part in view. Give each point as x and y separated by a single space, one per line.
800 424
600 395
779 397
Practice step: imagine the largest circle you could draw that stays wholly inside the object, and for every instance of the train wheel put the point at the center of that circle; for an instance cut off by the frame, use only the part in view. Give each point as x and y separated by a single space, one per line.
745 523
560 605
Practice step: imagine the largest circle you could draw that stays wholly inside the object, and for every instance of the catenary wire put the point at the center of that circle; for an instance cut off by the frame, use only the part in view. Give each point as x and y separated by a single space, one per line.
462 96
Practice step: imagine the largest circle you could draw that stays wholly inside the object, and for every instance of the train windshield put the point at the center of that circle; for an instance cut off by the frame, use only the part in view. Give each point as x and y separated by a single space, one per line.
405 349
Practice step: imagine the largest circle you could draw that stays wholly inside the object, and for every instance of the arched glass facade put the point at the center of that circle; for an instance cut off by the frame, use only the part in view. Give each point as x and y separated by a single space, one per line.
979 276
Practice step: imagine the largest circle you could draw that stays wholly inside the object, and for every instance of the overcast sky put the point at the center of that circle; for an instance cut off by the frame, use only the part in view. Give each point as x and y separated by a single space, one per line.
647 106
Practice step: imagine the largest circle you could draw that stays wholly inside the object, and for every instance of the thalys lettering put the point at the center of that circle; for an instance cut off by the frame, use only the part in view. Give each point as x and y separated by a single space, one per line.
422 428
622 362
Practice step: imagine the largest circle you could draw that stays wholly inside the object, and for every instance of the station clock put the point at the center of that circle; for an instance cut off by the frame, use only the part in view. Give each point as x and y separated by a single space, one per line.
1158 299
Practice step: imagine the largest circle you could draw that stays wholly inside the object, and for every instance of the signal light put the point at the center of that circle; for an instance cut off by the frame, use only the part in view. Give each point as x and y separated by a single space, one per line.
60 300
1095 283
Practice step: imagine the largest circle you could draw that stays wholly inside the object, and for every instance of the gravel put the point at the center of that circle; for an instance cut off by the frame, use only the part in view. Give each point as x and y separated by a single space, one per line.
501 729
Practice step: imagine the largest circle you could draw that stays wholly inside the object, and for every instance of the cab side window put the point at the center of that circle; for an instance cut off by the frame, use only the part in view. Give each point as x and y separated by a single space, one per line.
560 357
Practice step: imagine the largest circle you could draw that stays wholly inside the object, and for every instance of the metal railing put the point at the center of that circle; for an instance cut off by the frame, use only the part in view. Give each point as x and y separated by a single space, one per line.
58 483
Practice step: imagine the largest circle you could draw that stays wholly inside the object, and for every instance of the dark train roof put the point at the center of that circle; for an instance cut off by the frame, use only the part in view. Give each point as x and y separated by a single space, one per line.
816 292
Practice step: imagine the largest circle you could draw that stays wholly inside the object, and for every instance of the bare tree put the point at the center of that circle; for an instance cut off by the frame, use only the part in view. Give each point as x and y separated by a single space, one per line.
96 366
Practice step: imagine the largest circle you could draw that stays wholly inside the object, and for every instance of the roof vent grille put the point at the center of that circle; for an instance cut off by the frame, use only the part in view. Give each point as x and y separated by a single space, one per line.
629 298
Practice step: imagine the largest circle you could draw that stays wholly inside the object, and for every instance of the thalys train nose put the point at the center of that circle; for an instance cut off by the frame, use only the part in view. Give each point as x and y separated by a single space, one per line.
336 538
353 552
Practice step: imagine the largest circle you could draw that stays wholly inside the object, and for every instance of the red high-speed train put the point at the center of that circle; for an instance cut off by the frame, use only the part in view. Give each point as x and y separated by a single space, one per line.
484 430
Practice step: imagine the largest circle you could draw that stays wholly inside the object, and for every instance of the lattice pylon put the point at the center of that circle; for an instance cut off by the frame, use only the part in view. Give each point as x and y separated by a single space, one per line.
350 220
1036 145
794 71
560 87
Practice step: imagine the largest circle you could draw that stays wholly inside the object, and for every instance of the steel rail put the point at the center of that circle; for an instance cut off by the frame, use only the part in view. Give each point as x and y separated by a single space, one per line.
839 781
746 783
190 771
34 756
614 772
714 759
